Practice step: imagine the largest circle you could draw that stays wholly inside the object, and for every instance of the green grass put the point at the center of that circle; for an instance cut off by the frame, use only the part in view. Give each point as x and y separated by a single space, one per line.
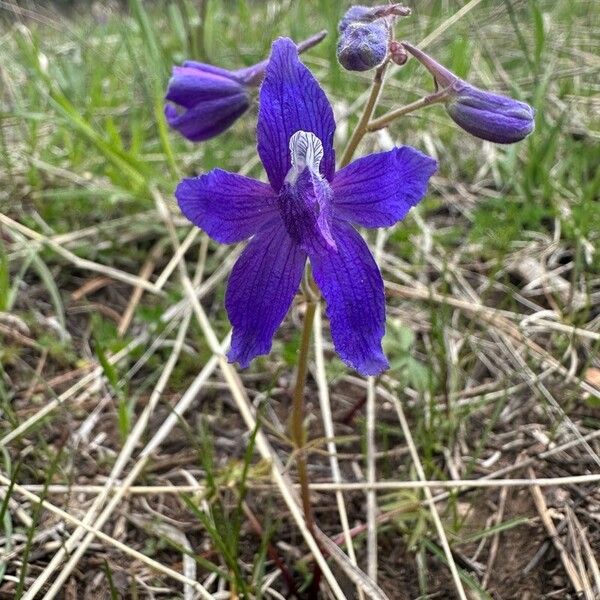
83 144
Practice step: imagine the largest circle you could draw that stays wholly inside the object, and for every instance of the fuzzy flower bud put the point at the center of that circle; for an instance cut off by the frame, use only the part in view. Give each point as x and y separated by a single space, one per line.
365 33
485 115
363 46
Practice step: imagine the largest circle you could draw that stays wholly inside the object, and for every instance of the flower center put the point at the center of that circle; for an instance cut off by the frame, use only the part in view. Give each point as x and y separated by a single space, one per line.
306 151
305 198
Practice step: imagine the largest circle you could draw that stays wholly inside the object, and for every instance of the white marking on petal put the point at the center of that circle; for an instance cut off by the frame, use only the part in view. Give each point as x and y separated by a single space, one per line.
306 152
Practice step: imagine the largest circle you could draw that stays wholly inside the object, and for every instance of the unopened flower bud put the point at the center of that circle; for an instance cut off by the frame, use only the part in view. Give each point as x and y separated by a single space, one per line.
397 53
205 100
363 46
488 116
485 115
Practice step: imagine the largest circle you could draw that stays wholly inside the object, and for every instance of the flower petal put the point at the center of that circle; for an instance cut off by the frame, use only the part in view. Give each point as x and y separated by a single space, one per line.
291 100
193 64
379 189
353 288
261 288
208 118
229 207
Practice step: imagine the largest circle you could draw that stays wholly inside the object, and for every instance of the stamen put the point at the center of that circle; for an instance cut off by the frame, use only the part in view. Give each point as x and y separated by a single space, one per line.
306 152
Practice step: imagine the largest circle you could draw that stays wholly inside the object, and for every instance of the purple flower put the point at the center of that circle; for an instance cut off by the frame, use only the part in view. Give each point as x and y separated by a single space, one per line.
488 116
307 210
210 99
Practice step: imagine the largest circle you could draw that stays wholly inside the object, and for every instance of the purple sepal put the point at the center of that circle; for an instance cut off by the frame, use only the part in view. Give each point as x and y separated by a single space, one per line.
208 118
261 288
351 284
229 207
378 190
291 100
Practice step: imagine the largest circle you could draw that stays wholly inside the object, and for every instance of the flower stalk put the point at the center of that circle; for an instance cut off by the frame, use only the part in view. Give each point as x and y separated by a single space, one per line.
386 119
361 127
297 430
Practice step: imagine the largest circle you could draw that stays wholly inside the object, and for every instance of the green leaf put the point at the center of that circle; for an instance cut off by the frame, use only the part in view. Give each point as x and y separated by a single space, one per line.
498 528
539 34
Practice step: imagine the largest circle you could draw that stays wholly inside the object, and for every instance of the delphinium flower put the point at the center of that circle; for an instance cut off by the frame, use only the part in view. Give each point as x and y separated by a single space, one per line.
486 115
365 34
205 100
307 210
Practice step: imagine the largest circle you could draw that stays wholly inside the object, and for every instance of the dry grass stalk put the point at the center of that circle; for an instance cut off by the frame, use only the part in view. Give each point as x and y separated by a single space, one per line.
385 486
542 508
136 295
81 263
430 500
495 539
325 405
150 562
371 475
589 553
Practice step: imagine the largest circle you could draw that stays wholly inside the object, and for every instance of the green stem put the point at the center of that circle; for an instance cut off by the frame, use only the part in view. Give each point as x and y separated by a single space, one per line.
386 119
297 432
361 127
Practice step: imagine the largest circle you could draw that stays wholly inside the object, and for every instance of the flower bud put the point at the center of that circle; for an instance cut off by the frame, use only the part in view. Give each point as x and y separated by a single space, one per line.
205 100
363 46
211 100
485 115
488 116
398 53
365 34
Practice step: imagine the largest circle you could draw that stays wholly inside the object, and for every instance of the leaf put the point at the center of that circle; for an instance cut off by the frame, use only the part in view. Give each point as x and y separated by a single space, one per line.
539 34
